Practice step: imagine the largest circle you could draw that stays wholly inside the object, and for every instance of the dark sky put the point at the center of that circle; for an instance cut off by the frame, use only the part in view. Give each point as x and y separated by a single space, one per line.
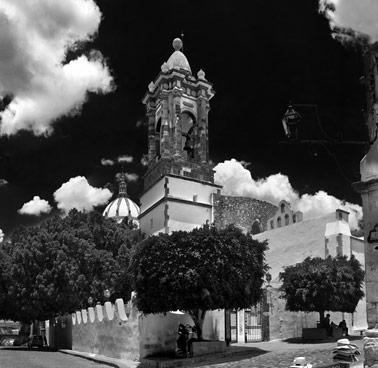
260 55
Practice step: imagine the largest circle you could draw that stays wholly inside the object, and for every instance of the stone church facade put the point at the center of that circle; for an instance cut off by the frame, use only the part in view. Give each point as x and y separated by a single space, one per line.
179 189
180 194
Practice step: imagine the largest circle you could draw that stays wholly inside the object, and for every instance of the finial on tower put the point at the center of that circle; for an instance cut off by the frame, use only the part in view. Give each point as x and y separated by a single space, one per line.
177 44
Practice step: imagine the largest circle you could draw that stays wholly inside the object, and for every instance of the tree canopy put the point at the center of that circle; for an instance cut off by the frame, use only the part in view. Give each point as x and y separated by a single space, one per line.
204 269
319 285
55 267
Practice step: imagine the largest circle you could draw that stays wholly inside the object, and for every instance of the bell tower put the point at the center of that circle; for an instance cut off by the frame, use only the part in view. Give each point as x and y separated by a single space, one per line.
177 105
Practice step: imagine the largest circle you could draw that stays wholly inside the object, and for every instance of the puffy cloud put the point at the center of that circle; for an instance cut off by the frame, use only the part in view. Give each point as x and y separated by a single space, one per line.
128 177
359 15
1 235
3 182
35 207
125 158
34 38
78 193
107 162
131 177
237 181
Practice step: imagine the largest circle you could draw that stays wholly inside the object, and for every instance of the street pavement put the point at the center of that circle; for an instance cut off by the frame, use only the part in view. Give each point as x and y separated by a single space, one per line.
272 354
21 357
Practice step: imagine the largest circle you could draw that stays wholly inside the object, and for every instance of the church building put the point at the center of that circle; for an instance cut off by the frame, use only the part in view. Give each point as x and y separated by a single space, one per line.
180 194
179 189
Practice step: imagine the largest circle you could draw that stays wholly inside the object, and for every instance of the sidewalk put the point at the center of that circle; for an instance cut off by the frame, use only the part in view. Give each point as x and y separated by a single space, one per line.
262 354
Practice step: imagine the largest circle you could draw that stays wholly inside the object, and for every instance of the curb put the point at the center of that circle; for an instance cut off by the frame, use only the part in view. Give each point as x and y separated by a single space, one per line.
93 359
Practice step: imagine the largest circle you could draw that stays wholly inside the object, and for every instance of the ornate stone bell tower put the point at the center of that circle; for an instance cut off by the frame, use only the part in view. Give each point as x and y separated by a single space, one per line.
179 182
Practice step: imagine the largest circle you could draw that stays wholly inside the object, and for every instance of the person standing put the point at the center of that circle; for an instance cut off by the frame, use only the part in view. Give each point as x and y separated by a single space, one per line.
344 327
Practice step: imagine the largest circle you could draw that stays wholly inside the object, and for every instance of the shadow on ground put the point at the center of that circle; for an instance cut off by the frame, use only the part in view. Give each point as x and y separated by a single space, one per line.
23 348
233 353
299 340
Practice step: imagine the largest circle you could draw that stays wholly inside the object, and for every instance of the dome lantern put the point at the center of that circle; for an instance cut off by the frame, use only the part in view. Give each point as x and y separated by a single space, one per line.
122 206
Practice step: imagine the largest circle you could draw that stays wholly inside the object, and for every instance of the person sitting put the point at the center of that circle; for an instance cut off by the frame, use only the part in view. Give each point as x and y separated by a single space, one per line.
326 323
182 337
192 336
344 327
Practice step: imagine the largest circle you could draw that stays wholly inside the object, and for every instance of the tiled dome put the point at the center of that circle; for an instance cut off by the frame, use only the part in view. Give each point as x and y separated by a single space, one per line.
122 206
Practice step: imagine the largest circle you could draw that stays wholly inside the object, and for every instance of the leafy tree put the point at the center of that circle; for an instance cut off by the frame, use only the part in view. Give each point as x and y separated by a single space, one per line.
204 269
53 268
319 285
5 308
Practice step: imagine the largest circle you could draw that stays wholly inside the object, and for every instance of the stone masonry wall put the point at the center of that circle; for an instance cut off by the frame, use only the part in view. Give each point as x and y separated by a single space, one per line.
242 211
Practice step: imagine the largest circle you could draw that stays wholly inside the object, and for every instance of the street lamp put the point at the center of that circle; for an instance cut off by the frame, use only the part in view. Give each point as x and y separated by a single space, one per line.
291 122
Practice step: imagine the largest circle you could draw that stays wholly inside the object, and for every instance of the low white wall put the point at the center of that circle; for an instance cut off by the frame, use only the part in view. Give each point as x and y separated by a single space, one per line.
107 330
158 332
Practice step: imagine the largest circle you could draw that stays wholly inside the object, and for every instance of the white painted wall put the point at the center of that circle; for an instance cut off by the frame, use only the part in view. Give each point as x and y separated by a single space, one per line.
183 215
158 332
157 217
154 194
186 189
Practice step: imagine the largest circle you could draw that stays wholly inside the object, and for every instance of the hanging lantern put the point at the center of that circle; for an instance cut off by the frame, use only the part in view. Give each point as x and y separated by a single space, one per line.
291 121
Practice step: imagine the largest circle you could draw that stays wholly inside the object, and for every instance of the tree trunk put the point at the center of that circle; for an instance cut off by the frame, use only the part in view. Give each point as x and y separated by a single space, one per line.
321 317
198 317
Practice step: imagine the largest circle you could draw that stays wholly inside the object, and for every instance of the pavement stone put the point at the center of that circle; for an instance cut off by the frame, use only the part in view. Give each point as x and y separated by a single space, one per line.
272 354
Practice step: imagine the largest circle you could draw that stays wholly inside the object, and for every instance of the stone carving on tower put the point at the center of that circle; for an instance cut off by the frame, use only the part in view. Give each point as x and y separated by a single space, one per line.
179 182
177 105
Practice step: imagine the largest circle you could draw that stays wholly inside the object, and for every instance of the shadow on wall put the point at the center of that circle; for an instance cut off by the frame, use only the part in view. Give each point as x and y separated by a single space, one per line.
159 332
111 330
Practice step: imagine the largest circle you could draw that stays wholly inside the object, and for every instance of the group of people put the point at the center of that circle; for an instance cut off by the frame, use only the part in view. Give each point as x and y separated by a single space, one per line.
328 325
186 335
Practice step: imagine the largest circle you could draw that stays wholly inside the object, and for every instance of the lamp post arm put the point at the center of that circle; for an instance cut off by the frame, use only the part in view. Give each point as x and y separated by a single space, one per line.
318 120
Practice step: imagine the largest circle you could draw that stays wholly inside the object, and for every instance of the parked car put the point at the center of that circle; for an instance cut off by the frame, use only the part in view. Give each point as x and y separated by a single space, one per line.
35 340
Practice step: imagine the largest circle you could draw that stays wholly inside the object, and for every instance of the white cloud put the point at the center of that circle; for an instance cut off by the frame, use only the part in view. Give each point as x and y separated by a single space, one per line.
35 207
237 181
78 193
3 182
125 158
1 235
107 162
34 38
131 177
128 177
359 15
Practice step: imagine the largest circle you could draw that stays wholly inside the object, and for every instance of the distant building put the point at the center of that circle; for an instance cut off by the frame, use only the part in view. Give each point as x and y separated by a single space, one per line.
288 245
284 216
180 194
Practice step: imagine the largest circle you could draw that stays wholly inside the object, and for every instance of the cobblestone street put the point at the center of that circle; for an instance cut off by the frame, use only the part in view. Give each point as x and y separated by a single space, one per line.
282 354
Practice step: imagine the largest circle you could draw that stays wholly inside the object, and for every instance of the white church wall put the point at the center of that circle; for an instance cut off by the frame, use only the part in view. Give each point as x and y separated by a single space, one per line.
186 216
190 190
359 320
152 195
153 221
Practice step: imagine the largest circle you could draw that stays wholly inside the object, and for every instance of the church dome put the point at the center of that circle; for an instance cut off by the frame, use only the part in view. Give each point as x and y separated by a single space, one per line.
178 60
122 206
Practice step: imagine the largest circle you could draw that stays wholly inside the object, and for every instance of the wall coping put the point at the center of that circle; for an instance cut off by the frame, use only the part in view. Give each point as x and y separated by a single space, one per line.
108 312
